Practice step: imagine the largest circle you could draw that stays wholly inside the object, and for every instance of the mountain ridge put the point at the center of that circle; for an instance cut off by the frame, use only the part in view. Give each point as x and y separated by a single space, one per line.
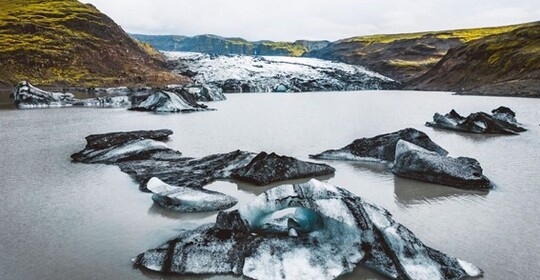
404 56
215 44
502 64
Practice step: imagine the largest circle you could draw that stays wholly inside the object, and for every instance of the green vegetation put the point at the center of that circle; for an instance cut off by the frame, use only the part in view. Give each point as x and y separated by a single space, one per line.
65 42
464 35
501 64
430 61
290 49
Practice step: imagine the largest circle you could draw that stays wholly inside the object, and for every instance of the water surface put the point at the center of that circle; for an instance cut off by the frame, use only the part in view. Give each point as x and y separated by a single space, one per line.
61 220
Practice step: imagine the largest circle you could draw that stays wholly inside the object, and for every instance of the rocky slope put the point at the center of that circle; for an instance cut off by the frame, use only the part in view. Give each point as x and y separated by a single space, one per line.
403 56
235 74
65 42
503 64
212 44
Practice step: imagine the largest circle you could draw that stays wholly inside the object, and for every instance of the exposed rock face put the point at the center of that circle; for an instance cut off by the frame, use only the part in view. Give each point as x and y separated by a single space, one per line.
404 57
501 122
170 102
330 233
185 200
142 155
268 168
235 74
417 163
381 147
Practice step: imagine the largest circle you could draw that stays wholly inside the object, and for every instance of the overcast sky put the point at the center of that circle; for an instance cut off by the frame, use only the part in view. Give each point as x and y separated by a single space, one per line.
311 19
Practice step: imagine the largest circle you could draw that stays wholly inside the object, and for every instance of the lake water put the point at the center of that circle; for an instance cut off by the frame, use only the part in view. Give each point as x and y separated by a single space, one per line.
60 220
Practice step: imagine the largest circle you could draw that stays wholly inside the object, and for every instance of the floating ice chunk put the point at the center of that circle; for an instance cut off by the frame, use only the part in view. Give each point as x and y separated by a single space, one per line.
184 199
350 231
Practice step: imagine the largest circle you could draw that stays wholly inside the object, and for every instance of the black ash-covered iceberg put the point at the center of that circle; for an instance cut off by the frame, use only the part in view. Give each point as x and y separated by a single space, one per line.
418 163
144 155
170 102
27 96
268 168
502 121
327 233
381 147
412 154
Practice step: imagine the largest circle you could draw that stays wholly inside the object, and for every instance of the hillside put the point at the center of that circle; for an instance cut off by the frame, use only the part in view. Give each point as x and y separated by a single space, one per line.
403 56
503 64
212 44
67 43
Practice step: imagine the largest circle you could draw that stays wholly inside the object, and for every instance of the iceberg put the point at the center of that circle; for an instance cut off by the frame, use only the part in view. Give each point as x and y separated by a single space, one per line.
170 102
328 235
502 121
144 156
380 148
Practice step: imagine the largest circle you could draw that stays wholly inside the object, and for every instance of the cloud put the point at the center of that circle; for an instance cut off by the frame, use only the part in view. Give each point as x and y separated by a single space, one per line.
311 19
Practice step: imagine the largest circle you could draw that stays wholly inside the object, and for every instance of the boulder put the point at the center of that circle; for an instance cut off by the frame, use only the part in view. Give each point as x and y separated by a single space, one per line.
381 147
501 122
418 163
341 231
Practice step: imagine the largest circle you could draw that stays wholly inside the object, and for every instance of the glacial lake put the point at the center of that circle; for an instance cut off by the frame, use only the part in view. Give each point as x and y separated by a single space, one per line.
60 220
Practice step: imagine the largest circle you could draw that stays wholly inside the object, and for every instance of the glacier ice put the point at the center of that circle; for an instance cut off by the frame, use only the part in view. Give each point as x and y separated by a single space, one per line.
143 155
340 231
235 74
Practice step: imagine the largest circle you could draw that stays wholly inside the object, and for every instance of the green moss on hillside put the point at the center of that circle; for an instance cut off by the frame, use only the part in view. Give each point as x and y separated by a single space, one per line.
464 35
69 43
502 64
292 49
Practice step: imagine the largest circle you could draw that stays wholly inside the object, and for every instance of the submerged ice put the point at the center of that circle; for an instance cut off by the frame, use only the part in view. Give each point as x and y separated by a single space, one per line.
329 232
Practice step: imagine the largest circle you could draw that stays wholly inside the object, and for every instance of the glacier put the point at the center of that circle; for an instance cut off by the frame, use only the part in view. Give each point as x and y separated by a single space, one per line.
236 74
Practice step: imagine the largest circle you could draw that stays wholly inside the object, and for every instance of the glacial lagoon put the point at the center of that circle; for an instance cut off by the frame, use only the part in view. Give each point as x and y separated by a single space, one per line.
75 221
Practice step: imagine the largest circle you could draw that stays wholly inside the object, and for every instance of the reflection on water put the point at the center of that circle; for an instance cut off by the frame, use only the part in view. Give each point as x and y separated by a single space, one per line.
473 137
155 209
410 192
77 221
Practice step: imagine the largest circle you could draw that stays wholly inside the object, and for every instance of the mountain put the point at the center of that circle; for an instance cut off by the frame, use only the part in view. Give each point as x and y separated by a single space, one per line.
212 44
503 64
67 43
403 57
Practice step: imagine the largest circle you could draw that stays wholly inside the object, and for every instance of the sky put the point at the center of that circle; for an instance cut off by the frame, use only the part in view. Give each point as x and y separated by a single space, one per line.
289 20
